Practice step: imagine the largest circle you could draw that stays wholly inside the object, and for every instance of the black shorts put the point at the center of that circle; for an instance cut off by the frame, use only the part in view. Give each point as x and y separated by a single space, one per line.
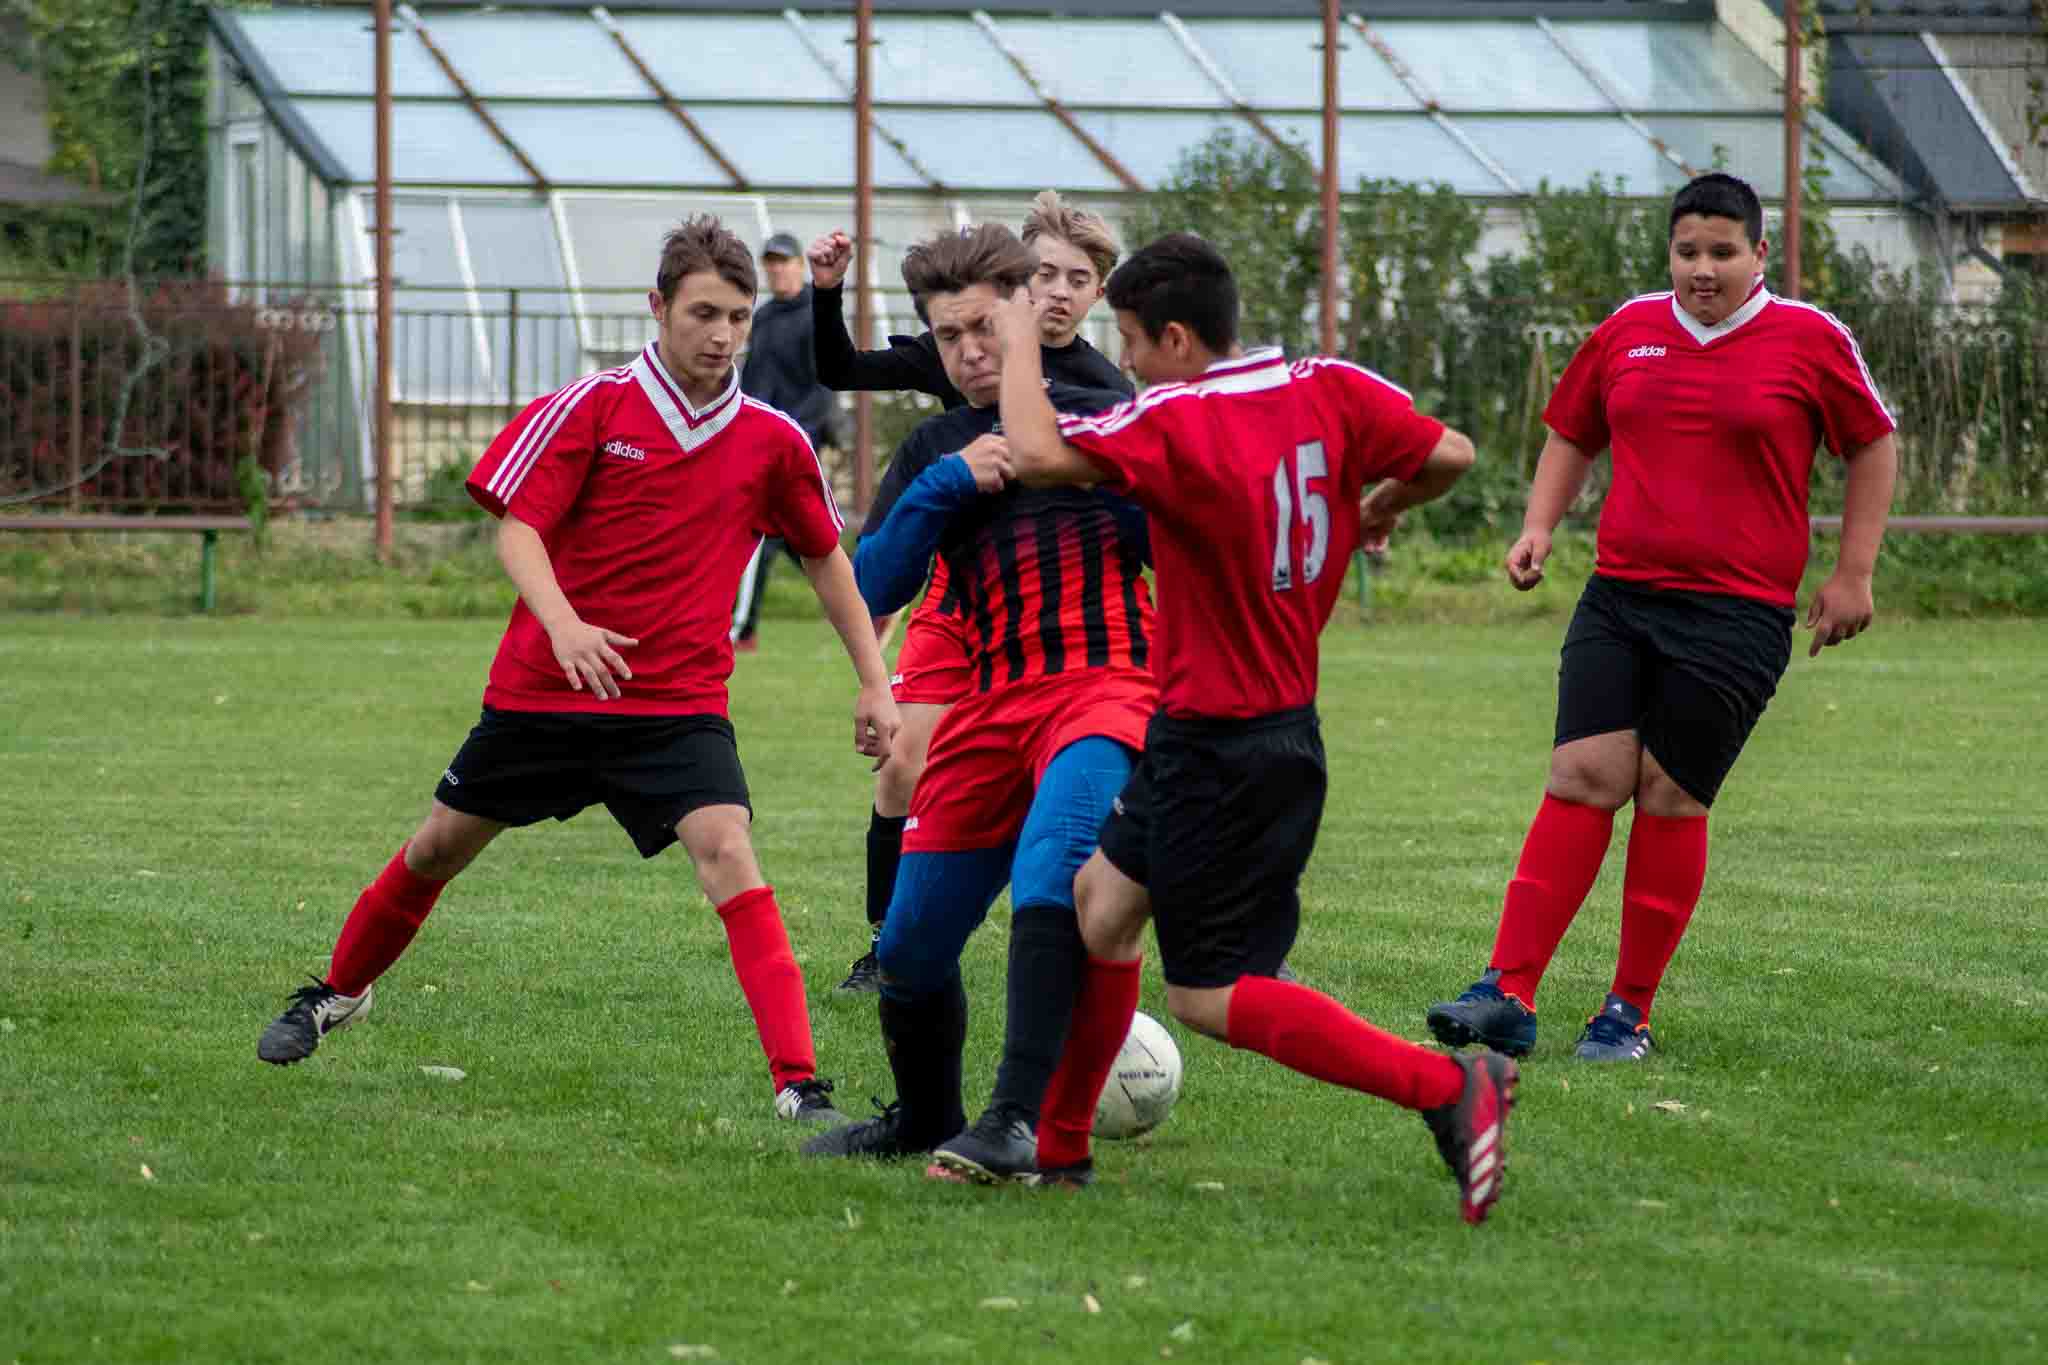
1217 822
522 767
1689 672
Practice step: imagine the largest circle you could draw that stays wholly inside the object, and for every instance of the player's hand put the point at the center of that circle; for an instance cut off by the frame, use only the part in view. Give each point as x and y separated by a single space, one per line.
988 458
1379 516
1840 611
1017 319
829 256
1525 559
875 721
589 659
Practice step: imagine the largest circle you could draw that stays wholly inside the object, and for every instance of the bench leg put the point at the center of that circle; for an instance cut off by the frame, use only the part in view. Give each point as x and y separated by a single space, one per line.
209 544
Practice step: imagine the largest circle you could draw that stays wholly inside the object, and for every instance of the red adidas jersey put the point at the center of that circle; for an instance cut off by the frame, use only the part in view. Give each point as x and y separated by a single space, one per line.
1713 432
650 510
1251 477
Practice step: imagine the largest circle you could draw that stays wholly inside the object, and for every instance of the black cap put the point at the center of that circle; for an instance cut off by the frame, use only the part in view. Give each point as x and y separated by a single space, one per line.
782 244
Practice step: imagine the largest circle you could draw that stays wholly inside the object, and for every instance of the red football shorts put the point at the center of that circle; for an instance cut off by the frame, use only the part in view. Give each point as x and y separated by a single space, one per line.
992 747
932 667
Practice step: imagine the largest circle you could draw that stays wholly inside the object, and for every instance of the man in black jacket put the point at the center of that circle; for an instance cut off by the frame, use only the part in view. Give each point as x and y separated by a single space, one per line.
782 372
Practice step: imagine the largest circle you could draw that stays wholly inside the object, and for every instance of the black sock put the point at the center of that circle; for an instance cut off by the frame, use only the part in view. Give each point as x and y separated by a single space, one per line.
885 854
924 1037
1046 961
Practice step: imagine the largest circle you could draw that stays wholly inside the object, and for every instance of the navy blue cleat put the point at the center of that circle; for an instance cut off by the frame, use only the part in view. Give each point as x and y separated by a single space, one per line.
1000 1148
1484 1015
1616 1034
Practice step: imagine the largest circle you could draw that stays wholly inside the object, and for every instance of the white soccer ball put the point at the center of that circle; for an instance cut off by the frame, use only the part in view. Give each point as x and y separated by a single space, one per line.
1143 1084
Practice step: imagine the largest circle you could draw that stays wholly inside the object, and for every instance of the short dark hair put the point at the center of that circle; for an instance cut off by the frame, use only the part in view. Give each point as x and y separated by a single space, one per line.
1720 195
1179 278
980 253
701 242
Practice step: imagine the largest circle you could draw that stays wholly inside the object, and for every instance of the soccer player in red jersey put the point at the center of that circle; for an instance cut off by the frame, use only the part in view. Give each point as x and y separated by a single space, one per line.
1253 473
629 504
1023 769
1711 399
1076 252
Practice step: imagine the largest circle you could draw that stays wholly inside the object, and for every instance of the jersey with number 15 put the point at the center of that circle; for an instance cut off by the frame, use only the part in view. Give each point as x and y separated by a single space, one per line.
1251 477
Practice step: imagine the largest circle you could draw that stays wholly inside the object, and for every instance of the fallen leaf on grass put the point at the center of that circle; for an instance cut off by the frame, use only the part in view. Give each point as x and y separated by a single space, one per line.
788 1288
1670 1106
1563 1084
1091 1303
1629 1112
477 1287
446 1073
1651 1204
1786 971
1184 1332
1134 1281
148 1174
852 1218
1208 1184
1001 1301
684 1351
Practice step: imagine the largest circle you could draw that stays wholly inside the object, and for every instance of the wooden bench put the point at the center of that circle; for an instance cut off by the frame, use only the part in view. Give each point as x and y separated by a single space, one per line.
1954 526
207 527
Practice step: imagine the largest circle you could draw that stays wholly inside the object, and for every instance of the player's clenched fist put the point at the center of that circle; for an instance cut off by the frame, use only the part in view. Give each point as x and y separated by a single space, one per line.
829 256
988 457
1525 559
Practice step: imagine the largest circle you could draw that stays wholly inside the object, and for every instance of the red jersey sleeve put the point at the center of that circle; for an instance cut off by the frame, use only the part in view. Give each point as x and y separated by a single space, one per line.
1127 443
1385 437
1852 415
1577 409
801 508
537 464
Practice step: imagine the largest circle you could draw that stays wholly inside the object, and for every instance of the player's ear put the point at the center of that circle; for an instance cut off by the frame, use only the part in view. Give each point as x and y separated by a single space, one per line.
654 305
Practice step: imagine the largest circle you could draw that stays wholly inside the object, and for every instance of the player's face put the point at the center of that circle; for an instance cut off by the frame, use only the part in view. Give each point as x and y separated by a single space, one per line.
702 328
964 325
785 275
1064 288
1713 265
1174 356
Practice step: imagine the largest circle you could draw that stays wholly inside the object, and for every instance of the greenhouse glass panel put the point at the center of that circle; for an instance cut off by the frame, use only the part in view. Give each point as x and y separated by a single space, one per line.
1151 144
431 144
999 149
608 144
333 52
615 239
1676 67
1112 62
728 57
1406 147
434 352
518 269
805 147
1487 65
1569 152
536 56
1754 148
943 60
1278 64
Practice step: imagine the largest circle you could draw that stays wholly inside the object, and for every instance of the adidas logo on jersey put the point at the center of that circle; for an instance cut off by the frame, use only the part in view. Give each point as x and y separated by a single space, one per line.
624 451
1642 352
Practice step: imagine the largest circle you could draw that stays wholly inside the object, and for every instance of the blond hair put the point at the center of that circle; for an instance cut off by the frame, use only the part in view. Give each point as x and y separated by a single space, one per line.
1086 232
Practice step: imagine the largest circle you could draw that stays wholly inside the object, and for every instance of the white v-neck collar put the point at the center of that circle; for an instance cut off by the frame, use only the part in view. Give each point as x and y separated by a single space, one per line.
691 426
1706 335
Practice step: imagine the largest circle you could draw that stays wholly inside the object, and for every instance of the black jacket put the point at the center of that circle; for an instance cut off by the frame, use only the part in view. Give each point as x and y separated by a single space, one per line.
780 368
912 363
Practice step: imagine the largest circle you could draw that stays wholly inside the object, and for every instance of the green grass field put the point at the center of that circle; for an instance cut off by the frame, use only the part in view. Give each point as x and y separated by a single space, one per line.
1840 1155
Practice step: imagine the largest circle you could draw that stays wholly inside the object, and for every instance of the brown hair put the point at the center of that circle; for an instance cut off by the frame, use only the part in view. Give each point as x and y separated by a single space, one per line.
701 242
981 253
1086 232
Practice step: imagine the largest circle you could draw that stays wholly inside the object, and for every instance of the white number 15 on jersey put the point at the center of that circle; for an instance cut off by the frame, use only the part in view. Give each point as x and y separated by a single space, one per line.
1315 515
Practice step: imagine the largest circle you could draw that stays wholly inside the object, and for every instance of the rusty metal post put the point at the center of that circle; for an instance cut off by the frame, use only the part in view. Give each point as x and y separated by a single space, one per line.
77 400
1330 125
1795 119
863 236
383 244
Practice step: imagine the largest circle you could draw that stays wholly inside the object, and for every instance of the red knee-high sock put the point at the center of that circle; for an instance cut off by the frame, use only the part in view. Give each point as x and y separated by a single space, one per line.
1102 1019
1560 858
772 983
1309 1032
387 915
1667 866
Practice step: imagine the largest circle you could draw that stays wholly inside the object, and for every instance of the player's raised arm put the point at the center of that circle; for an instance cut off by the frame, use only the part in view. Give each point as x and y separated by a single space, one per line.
1038 452
875 721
